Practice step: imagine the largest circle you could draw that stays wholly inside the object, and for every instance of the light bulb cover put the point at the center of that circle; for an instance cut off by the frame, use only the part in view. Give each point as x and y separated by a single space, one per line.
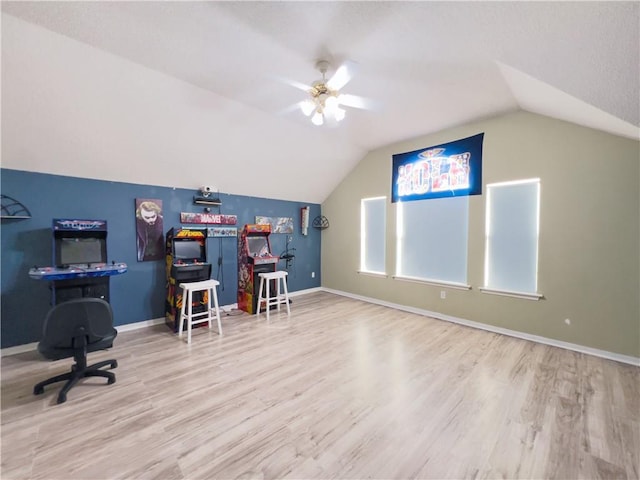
339 114
307 107
317 119
330 105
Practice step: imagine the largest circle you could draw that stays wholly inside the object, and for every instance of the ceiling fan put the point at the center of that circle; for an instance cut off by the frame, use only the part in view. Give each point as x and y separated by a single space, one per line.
324 102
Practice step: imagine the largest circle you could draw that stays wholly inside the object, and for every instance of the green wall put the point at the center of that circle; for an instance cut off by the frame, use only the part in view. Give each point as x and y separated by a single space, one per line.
589 252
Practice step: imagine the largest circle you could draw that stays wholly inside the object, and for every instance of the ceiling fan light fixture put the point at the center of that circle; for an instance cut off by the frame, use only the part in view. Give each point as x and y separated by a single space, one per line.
331 105
324 95
307 106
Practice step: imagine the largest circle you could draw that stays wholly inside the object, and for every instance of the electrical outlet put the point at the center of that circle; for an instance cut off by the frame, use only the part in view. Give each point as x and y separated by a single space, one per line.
313 274
443 294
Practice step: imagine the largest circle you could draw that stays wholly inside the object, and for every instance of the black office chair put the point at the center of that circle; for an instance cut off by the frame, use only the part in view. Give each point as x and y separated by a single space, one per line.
72 329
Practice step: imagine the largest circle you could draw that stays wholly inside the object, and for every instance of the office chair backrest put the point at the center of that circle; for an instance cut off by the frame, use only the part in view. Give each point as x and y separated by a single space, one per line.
64 320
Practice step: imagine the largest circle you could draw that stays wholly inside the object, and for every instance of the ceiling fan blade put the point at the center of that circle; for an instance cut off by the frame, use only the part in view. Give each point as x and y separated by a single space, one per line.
342 76
356 101
294 83
291 108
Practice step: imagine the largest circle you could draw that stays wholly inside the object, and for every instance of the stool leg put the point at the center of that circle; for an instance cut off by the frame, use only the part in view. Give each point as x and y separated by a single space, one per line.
286 294
189 316
278 294
209 306
268 302
260 297
184 293
217 307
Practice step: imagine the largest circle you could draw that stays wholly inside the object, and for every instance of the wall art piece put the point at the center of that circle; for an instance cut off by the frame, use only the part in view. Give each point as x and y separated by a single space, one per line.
215 218
278 224
304 220
448 170
149 229
222 232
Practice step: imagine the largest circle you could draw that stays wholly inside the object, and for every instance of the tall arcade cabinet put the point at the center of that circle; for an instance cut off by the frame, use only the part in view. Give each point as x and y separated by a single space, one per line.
186 256
254 257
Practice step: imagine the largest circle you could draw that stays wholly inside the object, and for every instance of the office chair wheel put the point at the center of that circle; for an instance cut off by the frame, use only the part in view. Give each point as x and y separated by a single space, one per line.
111 380
38 390
62 398
114 364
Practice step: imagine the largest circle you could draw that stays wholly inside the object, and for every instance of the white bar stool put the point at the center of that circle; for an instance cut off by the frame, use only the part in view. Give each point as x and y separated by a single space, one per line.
279 298
208 286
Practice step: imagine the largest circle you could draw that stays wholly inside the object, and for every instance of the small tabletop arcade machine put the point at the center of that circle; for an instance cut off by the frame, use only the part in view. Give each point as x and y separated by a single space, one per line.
186 256
254 257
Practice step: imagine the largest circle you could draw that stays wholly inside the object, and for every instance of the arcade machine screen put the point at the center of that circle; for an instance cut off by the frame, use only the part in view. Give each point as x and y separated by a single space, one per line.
188 250
258 246
80 251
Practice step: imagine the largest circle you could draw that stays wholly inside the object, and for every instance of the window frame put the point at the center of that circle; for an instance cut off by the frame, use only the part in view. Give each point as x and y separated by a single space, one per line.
363 236
400 219
493 290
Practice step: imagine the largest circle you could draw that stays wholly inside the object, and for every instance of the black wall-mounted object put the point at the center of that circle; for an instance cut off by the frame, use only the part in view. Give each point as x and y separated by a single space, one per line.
210 201
320 222
13 209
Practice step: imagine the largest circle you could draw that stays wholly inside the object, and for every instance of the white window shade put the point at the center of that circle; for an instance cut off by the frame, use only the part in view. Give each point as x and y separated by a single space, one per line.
512 230
432 240
372 234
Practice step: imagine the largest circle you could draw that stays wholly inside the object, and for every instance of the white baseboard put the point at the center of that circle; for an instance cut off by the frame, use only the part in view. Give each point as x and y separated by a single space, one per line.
490 328
304 292
29 347
5 352
138 325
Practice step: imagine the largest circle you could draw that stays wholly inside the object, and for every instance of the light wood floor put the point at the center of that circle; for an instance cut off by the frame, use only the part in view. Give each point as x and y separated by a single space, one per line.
341 389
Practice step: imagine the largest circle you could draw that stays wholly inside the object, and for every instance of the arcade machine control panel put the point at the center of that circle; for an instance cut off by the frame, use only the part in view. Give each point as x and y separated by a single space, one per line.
77 271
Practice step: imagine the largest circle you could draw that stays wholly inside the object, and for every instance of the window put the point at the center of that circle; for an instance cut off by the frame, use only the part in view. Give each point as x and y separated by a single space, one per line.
511 238
432 241
372 234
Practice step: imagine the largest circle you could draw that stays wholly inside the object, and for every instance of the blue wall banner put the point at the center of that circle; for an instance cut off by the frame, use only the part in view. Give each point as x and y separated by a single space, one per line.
447 170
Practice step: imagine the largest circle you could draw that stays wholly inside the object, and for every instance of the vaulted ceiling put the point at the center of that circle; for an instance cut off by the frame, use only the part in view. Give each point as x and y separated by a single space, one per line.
426 66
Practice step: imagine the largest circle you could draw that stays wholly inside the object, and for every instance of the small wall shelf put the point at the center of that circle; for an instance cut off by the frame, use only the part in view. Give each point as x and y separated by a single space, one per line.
320 222
13 209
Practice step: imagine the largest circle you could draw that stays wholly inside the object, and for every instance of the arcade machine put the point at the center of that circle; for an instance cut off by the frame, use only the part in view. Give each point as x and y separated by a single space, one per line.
186 250
80 261
254 257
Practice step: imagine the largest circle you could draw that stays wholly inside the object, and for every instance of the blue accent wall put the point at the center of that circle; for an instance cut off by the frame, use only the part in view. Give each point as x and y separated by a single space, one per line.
139 294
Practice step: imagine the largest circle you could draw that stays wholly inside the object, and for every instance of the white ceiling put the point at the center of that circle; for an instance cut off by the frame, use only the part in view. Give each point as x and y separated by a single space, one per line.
428 65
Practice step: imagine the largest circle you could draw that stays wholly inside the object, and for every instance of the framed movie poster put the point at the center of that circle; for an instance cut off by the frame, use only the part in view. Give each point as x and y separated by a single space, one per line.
149 229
